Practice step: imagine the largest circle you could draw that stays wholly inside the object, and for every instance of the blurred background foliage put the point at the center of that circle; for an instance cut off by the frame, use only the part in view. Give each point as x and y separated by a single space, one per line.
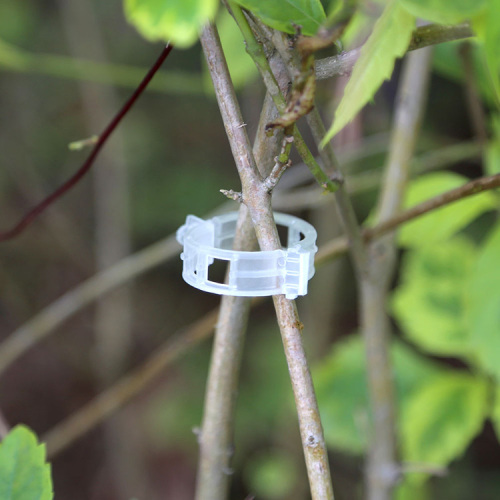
170 158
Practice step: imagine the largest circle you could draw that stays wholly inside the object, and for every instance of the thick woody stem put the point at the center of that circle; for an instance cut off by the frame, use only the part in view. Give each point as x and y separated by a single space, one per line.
258 201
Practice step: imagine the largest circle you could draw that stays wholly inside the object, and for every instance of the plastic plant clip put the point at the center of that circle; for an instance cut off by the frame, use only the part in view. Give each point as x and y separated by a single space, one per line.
251 274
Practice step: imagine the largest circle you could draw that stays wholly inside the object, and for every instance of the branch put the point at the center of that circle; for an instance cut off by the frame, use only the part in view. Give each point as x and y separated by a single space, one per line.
72 181
256 52
424 36
258 201
382 471
216 436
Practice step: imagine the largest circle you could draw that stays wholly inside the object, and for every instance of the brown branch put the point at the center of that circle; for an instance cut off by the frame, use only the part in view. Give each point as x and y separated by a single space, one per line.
424 36
18 228
258 200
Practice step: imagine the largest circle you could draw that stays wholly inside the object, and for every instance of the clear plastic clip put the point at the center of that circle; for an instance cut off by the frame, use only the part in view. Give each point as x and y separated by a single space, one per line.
250 274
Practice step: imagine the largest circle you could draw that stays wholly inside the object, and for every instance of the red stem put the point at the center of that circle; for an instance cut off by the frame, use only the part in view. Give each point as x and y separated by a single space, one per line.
42 206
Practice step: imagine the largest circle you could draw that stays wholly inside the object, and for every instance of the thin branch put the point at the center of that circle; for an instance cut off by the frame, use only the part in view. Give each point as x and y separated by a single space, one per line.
382 471
216 436
72 181
424 36
107 402
45 322
258 201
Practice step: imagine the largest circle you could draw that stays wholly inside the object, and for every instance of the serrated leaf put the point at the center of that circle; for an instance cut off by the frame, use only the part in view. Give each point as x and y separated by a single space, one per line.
388 41
24 475
483 305
428 304
440 224
285 15
441 420
340 382
444 11
178 22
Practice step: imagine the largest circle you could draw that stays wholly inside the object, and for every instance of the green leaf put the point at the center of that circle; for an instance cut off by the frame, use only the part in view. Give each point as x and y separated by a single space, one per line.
282 15
483 305
441 420
24 475
175 21
440 224
340 382
429 302
487 28
388 41
444 11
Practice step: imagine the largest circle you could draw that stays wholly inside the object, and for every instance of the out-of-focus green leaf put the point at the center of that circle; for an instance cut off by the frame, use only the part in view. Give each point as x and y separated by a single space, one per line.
487 27
444 11
447 62
483 305
282 15
493 149
429 302
495 414
408 490
271 475
241 66
340 382
178 22
440 224
388 41
24 474
441 420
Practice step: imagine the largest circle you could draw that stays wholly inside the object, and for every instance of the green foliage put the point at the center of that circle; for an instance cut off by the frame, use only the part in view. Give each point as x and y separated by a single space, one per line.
487 27
178 22
442 223
271 475
492 156
240 64
340 381
495 414
439 422
483 305
24 475
388 41
444 11
284 14
429 303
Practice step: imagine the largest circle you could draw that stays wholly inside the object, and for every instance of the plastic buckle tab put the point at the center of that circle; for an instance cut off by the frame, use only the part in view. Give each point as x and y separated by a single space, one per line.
250 274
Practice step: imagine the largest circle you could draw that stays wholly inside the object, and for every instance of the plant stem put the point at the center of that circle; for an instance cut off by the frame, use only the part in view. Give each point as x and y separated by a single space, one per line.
258 55
424 36
216 437
258 201
382 471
